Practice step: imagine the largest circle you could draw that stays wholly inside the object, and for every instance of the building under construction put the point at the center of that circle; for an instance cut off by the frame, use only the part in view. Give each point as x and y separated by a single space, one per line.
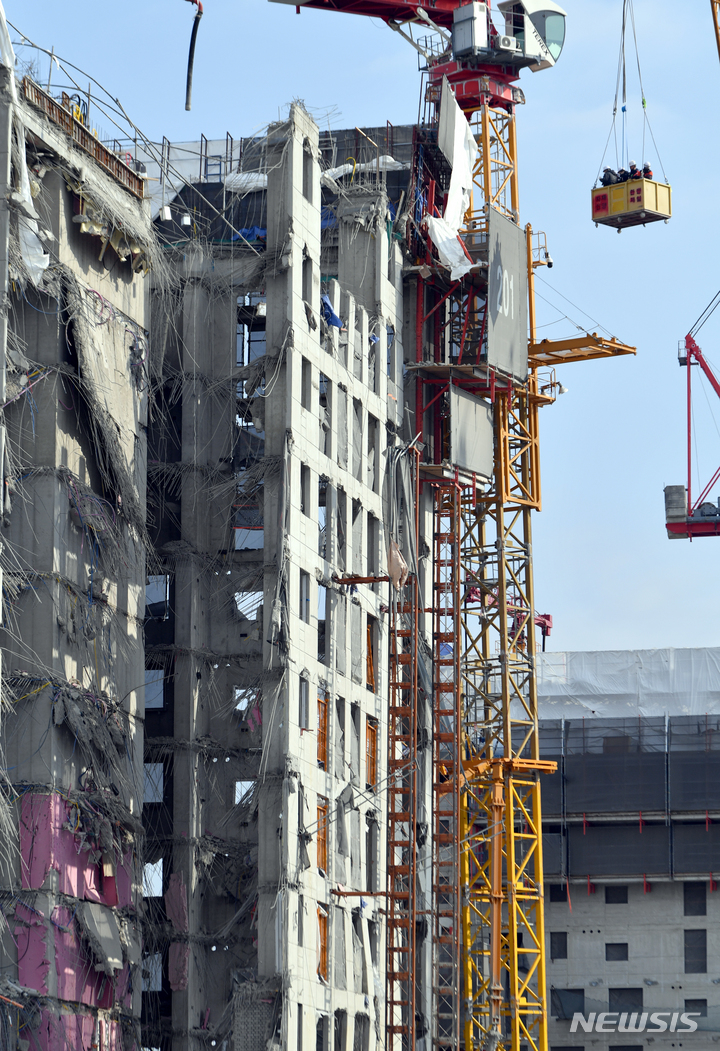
270 460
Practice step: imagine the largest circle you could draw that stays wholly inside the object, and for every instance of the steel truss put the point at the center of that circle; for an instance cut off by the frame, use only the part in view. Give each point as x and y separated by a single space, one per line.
488 960
402 821
488 952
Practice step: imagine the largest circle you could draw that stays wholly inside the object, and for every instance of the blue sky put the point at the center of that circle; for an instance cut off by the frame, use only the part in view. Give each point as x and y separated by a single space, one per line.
603 565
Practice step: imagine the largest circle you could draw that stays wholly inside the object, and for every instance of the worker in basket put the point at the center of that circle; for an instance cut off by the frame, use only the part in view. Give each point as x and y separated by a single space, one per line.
647 171
634 172
609 177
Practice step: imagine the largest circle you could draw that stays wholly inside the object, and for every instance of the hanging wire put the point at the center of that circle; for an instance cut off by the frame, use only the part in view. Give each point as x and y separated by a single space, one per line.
706 314
621 157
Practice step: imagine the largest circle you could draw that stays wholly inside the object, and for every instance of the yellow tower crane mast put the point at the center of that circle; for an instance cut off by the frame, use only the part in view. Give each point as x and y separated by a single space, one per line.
476 357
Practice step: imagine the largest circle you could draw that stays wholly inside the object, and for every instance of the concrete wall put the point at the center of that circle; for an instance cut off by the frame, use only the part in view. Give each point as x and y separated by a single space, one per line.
652 925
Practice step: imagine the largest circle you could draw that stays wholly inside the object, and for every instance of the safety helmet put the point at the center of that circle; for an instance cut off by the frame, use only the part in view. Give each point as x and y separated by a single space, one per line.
633 164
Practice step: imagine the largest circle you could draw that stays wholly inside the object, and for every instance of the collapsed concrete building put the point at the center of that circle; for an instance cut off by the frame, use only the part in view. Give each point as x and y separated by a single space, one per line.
238 433
77 241
282 398
196 498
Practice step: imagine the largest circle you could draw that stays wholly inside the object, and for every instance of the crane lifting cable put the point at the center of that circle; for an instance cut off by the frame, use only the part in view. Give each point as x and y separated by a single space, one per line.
629 196
706 314
191 55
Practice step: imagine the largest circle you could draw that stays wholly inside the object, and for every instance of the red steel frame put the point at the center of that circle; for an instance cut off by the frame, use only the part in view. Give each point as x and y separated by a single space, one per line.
402 809
696 527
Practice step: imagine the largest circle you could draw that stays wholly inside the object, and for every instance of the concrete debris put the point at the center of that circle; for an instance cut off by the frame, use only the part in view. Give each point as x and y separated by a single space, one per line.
178 961
100 928
176 902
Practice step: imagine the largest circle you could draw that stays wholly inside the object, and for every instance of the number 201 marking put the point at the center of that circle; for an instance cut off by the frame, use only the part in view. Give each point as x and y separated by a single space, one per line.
506 293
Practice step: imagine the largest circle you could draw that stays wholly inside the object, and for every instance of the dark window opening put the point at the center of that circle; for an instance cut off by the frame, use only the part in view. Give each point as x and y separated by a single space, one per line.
306 384
626 999
558 892
322 517
616 951
304 596
696 1007
323 647
564 1003
307 174
305 489
616 895
695 899
695 952
558 945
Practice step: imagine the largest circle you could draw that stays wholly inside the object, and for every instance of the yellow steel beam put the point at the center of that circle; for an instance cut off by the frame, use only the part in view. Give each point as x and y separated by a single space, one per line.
580 348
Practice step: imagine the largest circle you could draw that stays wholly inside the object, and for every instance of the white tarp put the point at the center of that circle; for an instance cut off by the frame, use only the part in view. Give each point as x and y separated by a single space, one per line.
246 182
31 250
621 683
387 164
451 252
457 142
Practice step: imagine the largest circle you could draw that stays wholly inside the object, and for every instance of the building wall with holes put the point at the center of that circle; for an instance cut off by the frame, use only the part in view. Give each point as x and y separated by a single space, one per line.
76 377
321 804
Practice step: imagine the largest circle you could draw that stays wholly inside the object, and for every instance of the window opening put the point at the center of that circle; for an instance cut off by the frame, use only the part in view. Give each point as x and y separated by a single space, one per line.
154 782
371 732
153 879
306 384
322 834
243 790
341 528
695 952
322 517
323 639
325 414
154 688
305 489
558 945
304 596
304 713
322 742
371 653
322 966
157 597
695 899
152 973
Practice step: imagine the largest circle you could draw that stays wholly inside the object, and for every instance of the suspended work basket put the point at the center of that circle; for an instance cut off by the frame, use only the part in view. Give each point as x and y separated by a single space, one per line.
622 199
632 203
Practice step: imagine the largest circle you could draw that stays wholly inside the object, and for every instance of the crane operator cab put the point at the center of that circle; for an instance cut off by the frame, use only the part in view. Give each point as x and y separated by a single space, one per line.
533 37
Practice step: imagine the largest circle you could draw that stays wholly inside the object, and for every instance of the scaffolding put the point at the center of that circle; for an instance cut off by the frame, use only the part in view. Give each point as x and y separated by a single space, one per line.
488 970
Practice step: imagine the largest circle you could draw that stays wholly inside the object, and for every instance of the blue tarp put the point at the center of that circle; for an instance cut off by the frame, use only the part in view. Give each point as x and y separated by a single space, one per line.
328 313
251 233
328 219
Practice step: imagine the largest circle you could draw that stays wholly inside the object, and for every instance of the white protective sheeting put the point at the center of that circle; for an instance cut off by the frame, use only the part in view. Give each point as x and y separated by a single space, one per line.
387 164
457 142
31 250
246 182
621 683
450 249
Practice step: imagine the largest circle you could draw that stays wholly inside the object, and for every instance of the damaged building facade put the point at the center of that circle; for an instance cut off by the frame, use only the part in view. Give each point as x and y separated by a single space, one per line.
232 713
77 241
280 399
